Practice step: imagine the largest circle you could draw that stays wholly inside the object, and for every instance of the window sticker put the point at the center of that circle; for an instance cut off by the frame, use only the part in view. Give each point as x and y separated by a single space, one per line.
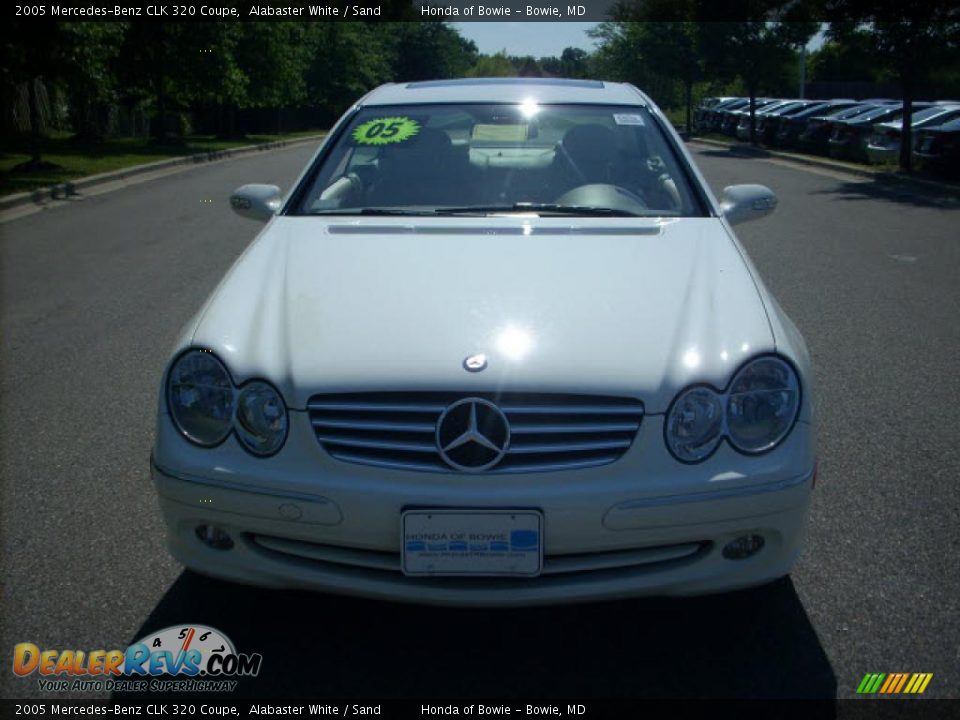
627 119
500 133
383 131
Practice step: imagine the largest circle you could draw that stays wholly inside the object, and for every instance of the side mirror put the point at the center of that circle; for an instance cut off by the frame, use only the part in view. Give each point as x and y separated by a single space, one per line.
257 202
741 203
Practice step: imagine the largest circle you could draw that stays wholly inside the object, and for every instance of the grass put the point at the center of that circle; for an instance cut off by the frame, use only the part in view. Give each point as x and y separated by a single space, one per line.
79 159
677 117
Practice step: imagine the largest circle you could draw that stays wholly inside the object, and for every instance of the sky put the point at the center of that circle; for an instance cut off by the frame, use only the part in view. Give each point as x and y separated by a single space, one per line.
539 39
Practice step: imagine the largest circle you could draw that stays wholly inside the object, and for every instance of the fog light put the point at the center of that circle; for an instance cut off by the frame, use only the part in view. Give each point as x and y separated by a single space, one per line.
214 537
743 547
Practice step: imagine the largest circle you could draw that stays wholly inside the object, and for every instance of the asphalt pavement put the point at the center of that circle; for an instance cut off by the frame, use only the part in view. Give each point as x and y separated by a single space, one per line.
94 291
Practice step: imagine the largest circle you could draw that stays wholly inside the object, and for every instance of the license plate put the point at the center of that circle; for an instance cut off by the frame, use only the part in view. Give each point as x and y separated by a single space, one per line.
472 542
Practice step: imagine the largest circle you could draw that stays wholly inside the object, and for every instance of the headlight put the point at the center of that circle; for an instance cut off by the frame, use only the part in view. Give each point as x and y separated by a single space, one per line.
200 398
261 418
695 424
762 404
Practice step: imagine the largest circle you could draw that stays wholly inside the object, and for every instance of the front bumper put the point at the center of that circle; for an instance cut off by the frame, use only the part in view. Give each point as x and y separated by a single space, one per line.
883 154
644 525
849 148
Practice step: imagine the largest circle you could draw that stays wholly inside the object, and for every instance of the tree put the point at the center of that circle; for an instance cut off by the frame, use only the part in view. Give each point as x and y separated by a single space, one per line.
621 56
497 65
87 76
911 40
848 59
149 67
526 66
275 56
212 75
430 51
346 61
758 46
32 52
574 63
667 31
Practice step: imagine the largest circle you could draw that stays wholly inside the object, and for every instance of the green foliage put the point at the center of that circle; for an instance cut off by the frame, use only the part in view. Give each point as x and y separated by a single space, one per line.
429 50
275 57
915 42
171 69
497 65
346 60
849 60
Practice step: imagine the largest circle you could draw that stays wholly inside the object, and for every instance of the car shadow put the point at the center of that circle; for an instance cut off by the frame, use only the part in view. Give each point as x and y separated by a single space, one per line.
895 190
736 151
755 643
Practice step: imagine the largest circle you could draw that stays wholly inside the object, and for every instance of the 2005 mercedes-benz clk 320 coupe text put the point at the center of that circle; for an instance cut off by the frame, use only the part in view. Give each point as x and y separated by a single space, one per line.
498 346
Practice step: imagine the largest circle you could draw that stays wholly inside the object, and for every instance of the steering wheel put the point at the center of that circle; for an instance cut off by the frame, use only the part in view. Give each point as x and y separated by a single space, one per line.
605 195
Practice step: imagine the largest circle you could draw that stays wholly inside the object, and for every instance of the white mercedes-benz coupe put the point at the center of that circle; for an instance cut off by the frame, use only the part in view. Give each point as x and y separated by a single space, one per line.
499 345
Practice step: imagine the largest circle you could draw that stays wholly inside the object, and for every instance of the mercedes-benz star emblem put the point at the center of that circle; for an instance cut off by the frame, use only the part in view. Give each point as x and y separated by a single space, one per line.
475 363
472 435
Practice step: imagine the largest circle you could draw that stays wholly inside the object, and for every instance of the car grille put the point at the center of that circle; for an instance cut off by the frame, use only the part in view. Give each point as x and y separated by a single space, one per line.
547 431
342 558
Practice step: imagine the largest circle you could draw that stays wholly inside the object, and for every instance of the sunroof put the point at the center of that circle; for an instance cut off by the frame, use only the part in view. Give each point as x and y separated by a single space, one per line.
595 84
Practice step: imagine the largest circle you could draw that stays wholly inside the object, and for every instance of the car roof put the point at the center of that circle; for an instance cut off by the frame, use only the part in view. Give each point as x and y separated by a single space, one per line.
505 90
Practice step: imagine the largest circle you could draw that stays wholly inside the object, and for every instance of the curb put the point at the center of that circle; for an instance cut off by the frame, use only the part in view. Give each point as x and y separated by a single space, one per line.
881 175
66 190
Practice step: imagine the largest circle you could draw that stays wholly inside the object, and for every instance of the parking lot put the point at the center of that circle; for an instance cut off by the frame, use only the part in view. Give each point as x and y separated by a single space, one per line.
92 297
860 131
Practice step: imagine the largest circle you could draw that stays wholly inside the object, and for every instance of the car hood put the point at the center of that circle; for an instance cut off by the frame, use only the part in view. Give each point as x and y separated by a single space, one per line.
884 126
630 307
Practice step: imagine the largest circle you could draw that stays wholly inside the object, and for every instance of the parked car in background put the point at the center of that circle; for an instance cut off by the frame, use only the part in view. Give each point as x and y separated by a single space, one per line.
707 116
742 131
815 135
729 119
713 118
789 128
884 145
849 138
769 123
706 108
938 149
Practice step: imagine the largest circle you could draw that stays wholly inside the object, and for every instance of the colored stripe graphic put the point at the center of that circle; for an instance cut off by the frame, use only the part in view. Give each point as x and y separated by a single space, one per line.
866 686
918 683
891 680
894 683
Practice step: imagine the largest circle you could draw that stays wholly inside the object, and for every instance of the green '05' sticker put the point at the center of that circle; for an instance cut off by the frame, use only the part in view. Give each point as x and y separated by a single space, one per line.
382 131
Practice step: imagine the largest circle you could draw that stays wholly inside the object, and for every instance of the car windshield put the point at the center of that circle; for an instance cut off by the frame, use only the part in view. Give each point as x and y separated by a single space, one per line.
849 112
817 109
792 110
948 127
932 112
886 112
462 159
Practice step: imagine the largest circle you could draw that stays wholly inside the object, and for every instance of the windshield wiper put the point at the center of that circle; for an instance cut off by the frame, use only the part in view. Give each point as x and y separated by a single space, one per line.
539 208
374 211
583 210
